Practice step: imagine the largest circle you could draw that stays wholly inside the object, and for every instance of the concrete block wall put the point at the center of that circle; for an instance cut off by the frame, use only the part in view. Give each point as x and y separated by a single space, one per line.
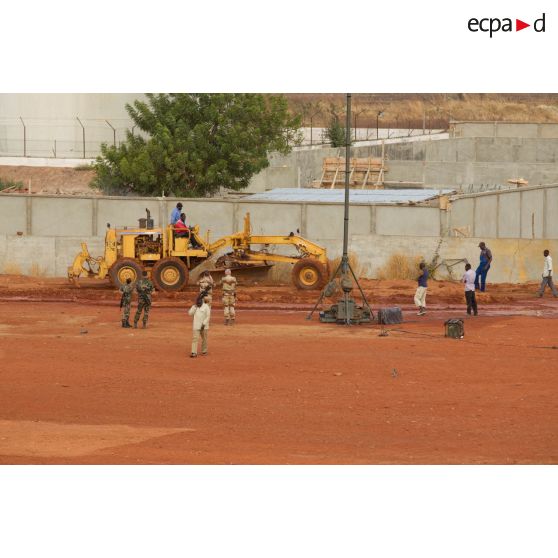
517 222
457 161
515 260
504 129
527 213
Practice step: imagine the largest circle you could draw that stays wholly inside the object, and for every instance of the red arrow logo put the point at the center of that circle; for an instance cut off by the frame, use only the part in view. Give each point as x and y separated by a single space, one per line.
519 25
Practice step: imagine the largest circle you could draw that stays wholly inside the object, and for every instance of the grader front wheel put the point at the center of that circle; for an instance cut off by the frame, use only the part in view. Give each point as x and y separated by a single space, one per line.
170 274
309 274
124 268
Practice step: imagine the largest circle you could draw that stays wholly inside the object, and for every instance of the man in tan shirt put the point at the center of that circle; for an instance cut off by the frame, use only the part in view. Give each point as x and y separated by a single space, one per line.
228 282
206 285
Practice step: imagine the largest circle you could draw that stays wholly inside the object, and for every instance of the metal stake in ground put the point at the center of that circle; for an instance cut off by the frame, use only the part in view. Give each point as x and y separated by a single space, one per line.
345 266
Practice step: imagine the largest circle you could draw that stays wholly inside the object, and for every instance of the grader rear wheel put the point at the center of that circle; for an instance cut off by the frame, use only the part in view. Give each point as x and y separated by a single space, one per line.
308 274
124 268
170 274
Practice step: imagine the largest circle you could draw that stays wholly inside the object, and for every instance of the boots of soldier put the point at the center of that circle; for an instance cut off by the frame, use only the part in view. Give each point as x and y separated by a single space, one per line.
144 325
126 323
135 324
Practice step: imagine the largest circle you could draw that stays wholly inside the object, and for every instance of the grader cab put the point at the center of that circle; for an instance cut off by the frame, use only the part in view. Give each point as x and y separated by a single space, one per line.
168 255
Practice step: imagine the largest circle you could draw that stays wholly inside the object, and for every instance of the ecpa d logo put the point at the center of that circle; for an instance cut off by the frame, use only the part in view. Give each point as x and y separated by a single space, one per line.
492 25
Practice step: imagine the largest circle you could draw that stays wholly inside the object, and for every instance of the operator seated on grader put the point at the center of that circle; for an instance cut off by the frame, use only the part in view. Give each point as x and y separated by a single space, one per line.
181 230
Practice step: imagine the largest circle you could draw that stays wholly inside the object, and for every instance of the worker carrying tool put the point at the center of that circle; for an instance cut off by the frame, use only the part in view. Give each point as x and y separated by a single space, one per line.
228 283
144 287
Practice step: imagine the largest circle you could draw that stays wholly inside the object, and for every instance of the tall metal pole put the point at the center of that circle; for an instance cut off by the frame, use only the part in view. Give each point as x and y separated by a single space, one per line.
344 265
311 128
345 259
347 173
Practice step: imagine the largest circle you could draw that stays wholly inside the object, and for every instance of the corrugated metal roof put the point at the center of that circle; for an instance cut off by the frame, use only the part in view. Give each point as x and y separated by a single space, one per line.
355 196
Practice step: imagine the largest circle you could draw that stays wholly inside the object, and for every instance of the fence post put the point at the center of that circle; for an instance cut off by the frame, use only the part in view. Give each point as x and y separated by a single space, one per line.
82 134
24 137
113 132
311 129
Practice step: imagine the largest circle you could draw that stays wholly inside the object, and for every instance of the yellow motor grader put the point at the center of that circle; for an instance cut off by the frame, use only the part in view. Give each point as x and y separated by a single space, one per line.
168 255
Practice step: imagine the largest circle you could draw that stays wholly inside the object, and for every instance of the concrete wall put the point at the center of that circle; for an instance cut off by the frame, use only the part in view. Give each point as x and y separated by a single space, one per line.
515 224
504 129
529 213
454 162
515 260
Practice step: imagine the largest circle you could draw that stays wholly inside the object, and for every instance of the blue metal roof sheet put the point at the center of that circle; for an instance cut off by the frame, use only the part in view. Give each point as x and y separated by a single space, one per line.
391 196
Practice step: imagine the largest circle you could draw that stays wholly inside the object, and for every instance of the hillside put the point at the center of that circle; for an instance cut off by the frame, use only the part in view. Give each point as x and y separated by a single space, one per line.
409 109
49 180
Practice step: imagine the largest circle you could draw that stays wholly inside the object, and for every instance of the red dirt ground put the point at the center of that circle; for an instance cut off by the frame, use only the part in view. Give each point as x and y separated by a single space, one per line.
276 388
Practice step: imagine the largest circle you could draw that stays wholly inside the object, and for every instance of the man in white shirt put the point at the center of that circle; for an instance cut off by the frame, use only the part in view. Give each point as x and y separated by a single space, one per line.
547 276
469 280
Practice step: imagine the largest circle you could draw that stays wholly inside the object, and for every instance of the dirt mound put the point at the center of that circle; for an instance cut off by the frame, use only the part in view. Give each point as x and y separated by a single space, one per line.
378 292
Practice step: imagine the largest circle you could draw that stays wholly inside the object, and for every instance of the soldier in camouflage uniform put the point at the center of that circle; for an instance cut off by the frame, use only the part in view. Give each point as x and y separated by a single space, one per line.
229 296
126 301
144 287
206 284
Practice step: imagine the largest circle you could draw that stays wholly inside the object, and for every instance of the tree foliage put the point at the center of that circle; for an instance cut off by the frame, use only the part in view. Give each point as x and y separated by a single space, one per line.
192 144
335 133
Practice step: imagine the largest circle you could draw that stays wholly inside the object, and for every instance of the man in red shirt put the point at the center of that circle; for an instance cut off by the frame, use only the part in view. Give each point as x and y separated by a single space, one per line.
180 228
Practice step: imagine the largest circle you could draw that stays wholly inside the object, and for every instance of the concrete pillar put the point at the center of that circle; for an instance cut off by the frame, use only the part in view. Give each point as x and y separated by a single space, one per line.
29 215
372 219
544 209
445 221
94 214
497 215
474 231
162 210
236 226
303 218
520 214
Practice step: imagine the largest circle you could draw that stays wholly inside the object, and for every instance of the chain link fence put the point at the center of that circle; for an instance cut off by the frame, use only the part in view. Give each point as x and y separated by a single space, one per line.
78 138
81 138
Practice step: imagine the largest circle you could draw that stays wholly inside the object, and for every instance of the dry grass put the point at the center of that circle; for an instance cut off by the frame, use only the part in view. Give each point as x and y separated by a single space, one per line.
11 268
353 262
402 110
400 266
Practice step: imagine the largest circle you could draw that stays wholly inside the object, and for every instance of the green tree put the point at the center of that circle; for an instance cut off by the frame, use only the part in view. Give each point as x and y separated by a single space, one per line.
335 133
193 144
